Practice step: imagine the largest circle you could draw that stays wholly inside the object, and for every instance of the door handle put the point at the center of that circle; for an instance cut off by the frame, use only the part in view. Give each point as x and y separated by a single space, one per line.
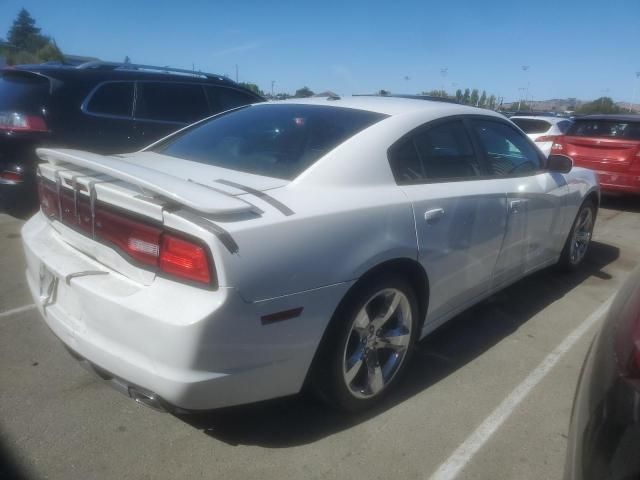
433 216
516 206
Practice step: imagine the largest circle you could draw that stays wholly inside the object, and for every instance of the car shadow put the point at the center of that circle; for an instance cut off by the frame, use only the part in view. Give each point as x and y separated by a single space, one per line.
302 419
622 203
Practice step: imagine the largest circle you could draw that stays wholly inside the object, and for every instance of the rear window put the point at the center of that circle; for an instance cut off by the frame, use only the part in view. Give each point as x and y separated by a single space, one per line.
274 140
22 92
171 102
605 128
531 125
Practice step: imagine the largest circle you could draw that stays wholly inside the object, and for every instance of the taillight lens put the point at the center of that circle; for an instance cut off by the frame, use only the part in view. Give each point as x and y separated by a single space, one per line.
184 259
136 239
11 176
546 138
16 121
144 243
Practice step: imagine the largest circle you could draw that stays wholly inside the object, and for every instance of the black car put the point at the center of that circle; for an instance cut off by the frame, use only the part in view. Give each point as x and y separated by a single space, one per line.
98 106
604 437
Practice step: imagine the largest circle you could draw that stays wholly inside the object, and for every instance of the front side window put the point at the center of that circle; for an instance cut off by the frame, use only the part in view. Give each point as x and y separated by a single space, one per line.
439 153
275 140
171 102
113 98
508 152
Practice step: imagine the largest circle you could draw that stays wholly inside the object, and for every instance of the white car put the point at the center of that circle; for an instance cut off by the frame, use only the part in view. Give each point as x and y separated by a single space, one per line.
307 242
542 129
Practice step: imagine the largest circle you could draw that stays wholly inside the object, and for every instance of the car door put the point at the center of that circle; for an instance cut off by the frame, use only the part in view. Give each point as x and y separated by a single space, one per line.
164 107
460 217
535 198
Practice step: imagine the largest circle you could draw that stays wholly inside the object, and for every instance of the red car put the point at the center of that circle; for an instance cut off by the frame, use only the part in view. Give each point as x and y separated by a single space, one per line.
608 144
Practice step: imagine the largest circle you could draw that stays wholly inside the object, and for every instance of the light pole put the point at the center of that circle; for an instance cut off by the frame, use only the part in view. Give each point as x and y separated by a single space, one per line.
525 69
443 72
633 97
273 82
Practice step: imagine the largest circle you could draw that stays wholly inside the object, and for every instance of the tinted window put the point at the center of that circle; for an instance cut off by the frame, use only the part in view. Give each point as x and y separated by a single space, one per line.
508 151
439 153
25 93
172 102
222 99
605 128
564 125
273 140
530 125
112 99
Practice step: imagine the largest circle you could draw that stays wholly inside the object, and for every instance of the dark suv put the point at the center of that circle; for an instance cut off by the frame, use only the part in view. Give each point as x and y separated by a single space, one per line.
98 106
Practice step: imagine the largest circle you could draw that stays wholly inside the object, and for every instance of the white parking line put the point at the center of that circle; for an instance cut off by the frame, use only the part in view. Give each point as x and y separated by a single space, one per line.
465 452
17 310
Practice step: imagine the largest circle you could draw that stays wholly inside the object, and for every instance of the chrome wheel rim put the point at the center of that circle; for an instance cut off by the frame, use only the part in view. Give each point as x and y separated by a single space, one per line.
581 236
377 343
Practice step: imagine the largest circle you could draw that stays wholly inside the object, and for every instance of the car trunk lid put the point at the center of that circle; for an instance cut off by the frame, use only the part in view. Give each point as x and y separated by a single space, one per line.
602 153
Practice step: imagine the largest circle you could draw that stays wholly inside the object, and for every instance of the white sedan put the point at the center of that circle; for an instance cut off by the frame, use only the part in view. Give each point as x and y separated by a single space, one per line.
307 242
542 129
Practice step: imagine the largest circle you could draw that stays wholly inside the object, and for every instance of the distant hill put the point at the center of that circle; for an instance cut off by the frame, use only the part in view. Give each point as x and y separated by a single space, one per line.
563 105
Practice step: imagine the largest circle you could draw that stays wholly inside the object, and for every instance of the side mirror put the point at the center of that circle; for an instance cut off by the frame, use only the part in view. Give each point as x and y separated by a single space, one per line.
559 163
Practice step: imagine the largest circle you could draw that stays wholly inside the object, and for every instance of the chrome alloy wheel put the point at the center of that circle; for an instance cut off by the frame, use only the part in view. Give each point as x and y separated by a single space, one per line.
377 343
581 236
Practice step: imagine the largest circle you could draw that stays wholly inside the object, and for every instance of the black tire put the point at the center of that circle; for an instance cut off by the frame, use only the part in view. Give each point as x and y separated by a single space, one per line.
567 262
328 378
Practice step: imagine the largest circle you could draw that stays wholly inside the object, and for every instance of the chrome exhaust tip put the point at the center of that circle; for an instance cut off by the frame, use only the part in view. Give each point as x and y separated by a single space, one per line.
148 399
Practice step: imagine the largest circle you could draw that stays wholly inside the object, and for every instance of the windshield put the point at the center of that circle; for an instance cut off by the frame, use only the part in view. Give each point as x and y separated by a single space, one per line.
276 140
605 128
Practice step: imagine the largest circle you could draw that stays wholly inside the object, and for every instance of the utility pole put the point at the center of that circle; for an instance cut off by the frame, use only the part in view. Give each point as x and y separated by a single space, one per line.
273 82
236 73
633 97
525 69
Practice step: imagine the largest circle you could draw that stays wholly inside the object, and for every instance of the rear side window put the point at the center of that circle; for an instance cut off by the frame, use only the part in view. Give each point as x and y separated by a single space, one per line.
531 125
273 140
22 92
113 98
171 102
222 99
605 128
507 150
440 153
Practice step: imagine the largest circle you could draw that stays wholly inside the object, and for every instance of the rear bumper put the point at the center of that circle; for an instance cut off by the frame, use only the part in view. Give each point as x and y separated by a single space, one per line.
619 182
194 348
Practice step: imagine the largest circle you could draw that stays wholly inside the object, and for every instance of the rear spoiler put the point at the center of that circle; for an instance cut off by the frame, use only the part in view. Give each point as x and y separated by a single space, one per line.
192 195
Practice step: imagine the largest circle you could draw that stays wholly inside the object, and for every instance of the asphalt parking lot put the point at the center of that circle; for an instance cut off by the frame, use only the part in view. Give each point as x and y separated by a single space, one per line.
59 422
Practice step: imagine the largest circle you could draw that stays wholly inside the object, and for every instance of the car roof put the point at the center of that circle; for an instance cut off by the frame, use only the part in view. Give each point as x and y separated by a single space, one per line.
614 118
392 105
104 71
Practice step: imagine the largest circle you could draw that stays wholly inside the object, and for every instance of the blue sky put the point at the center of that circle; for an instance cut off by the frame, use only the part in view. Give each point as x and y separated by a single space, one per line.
583 49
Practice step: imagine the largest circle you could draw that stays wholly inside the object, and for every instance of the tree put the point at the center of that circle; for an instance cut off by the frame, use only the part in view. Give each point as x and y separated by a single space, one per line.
466 97
435 93
600 105
126 59
459 95
483 99
384 92
50 52
475 98
23 32
303 92
252 86
492 102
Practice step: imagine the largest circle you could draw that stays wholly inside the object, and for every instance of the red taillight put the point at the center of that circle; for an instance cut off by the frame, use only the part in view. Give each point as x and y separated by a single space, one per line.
136 239
546 138
557 146
140 241
184 259
11 176
21 122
